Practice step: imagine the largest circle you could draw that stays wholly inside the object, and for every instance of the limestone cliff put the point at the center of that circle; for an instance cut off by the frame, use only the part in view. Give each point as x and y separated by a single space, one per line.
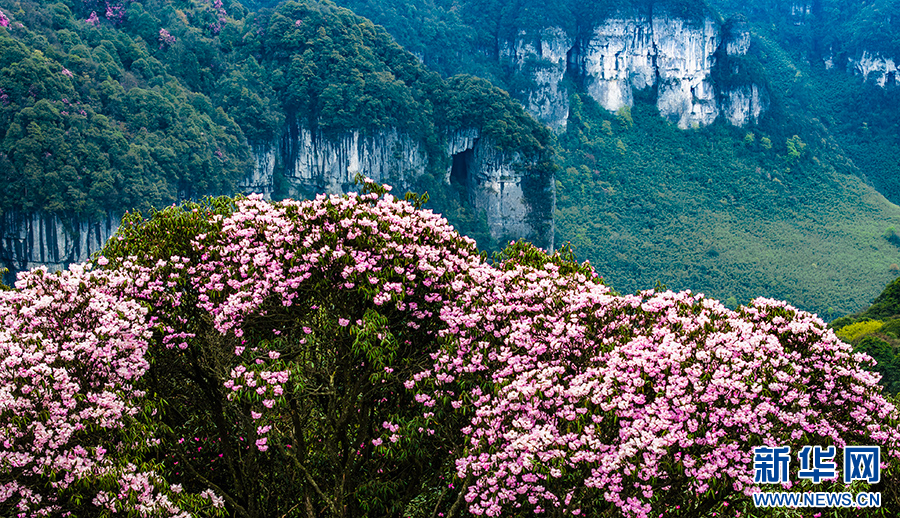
542 59
314 162
674 56
498 183
741 100
34 239
875 67
261 178
516 203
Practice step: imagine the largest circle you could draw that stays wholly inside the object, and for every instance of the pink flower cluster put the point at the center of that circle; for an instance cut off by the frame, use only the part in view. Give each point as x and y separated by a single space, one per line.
4 21
262 258
220 14
165 39
576 399
71 349
598 397
115 12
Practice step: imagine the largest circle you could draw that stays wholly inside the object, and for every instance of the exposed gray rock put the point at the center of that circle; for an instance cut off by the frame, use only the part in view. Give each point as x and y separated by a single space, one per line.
737 42
496 182
318 163
685 55
543 58
873 66
621 55
617 57
261 179
638 53
29 240
460 141
744 104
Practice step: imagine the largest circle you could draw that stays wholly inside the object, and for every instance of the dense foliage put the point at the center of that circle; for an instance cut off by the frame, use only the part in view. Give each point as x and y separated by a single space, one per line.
118 106
876 332
720 210
355 356
76 434
150 103
92 123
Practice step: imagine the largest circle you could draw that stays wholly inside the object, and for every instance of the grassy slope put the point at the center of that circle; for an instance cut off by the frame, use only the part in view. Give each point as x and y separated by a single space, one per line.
706 211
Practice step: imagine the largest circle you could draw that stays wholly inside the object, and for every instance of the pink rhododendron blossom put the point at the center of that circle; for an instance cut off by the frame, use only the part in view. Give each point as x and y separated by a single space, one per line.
268 292
595 395
72 348
165 39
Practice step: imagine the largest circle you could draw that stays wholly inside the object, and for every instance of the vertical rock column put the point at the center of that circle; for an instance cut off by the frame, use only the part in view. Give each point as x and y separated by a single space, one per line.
685 55
618 56
542 59
516 203
744 102
328 163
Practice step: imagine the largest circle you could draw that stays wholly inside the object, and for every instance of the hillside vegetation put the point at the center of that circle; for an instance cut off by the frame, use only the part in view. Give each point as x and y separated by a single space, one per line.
876 332
792 207
119 106
138 105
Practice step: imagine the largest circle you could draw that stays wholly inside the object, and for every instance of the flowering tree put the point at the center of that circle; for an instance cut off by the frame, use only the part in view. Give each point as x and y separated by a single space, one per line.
74 435
581 401
296 344
165 39
283 334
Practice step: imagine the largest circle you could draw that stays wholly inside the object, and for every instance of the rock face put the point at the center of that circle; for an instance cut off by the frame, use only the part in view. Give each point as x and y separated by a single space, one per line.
542 59
498 183
741 102
685 57
875 67
515 203
31 240
261 179
317 163
675 56
744 104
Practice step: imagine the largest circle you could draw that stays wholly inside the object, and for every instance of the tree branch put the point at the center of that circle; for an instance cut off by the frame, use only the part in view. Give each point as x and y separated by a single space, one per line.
228 498
311 480
459 499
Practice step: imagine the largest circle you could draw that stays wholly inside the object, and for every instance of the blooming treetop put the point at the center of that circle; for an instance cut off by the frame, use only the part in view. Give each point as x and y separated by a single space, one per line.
70 351
287 329
581 400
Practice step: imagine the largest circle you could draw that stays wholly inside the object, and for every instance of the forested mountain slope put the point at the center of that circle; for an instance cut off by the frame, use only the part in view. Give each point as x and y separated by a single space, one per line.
108 107
739 166
791 205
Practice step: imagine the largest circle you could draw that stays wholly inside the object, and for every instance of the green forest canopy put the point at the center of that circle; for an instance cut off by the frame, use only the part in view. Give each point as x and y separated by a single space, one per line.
162 101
